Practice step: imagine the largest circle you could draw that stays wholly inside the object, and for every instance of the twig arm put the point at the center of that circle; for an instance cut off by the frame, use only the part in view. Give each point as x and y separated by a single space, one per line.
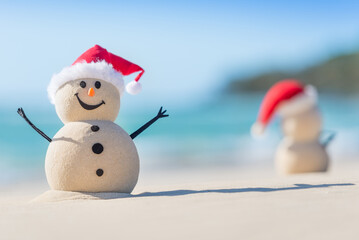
161 114
21 112
329 139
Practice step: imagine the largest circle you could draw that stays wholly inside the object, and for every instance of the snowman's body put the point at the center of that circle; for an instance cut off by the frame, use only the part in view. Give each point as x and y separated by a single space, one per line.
301 157
92 156
300 150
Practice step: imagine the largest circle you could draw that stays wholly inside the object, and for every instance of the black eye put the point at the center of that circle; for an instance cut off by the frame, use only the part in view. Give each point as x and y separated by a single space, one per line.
82 84
97 84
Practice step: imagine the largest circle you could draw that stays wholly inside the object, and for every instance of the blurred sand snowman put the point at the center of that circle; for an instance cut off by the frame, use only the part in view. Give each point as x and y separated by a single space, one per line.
300 150
91 153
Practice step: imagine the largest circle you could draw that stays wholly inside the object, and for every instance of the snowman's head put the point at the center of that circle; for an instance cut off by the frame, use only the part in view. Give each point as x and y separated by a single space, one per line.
91 87
87 99
303 126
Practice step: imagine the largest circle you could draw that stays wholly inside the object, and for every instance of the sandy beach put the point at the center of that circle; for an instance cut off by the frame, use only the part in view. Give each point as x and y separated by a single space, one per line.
214 203
200 101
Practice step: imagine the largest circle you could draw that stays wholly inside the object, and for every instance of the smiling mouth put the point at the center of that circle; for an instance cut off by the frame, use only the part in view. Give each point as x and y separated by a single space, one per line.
87 106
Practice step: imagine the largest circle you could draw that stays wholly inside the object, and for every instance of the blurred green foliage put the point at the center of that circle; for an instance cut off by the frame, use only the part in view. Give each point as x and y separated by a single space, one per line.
338 75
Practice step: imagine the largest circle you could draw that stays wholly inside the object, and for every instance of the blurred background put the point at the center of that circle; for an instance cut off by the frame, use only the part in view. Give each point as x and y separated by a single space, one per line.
208 63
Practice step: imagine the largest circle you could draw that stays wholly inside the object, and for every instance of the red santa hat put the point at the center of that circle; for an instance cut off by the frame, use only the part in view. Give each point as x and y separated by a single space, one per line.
287 97
98 63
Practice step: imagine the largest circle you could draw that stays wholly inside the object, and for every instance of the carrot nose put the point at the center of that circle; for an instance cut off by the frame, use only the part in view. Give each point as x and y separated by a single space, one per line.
91 92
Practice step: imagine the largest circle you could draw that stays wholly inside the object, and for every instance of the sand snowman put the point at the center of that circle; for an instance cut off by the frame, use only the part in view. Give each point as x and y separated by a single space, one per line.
91 153
300 150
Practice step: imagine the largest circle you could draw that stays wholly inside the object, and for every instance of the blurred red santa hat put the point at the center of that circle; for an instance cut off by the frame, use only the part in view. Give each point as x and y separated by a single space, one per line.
98 63
287 97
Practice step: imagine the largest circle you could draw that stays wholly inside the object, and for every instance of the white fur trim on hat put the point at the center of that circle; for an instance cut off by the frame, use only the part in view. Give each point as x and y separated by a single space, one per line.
97 70
299 103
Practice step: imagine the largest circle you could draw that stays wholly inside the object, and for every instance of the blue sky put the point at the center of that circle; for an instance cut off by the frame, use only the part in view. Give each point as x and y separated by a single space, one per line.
189 50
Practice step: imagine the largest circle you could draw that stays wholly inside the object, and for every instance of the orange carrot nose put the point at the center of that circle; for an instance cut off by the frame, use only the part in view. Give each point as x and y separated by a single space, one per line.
91 92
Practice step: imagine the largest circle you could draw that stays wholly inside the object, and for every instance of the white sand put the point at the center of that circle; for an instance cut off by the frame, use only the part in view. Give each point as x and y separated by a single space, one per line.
197 204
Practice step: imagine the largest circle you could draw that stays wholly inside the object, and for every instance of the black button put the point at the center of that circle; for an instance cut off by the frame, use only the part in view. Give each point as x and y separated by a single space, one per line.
97 148
95 128
99 172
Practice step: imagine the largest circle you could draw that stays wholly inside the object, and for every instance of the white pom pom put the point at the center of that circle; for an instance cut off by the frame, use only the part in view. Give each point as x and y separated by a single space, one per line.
257 129
133 87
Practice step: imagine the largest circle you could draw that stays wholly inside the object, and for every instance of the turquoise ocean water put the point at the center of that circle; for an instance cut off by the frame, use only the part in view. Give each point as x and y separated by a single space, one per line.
213 133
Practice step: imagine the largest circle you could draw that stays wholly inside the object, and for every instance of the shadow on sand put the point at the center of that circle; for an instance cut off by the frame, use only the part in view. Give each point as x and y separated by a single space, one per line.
239 190
56 196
